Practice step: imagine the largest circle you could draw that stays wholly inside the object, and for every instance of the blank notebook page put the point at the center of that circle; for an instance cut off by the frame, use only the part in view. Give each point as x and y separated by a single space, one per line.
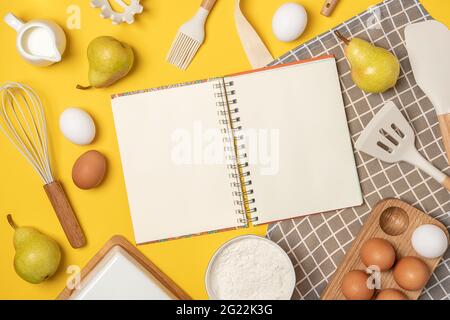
302 161
173 188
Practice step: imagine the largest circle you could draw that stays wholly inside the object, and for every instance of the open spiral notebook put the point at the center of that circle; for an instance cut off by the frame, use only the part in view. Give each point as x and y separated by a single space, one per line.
258 146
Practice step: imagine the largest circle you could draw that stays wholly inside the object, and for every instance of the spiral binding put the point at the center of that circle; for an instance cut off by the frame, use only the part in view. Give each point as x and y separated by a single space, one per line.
235 154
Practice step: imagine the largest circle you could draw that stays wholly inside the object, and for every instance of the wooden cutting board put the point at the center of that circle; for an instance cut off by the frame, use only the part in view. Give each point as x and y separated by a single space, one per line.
395 221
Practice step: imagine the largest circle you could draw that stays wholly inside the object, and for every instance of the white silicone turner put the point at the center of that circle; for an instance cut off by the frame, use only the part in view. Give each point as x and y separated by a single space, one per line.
390 138
428 45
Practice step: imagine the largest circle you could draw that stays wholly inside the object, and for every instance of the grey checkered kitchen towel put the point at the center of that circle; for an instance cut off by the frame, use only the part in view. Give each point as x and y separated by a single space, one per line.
318 243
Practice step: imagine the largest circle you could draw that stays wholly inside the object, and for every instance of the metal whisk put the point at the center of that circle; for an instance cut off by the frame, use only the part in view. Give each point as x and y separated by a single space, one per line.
22 120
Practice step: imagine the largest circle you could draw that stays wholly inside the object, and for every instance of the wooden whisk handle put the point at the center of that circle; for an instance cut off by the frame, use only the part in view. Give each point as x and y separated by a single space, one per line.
208 4
66 216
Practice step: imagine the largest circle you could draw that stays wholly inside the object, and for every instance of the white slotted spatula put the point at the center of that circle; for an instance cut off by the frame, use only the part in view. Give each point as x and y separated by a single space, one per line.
428 45
390 138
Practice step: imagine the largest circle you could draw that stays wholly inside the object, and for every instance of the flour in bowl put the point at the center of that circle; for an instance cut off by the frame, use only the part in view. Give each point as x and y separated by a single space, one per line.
252 268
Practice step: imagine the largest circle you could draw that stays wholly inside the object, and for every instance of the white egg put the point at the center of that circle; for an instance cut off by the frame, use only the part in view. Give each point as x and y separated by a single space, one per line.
429 241
289 22
77 126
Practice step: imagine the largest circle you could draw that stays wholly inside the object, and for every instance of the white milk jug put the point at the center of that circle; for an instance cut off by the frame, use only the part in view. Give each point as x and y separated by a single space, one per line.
40 42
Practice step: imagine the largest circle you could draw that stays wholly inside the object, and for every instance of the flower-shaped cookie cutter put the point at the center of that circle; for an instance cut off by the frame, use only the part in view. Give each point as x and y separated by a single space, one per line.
129 10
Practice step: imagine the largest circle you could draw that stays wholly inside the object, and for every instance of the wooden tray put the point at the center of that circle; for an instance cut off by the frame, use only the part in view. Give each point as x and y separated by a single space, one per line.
115 241
395 221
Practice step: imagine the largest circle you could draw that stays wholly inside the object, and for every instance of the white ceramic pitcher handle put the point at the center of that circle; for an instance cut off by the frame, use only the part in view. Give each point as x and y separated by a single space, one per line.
13 21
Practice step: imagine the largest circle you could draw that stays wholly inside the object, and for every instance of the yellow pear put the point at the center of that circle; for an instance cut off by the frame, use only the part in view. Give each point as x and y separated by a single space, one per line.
109 61
374 69
37 255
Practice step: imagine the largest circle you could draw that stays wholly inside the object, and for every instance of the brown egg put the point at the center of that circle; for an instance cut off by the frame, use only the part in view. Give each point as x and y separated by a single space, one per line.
354 286
89 170
378 252
391 294
411 273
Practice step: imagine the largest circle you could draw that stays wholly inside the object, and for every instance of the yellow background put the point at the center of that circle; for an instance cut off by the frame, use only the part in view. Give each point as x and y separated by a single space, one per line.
104 212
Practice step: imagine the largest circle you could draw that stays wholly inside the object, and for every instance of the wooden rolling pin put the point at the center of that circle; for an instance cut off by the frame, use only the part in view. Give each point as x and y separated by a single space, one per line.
329 7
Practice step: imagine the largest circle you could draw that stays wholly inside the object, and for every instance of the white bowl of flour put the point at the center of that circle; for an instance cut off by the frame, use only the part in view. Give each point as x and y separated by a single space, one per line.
250 268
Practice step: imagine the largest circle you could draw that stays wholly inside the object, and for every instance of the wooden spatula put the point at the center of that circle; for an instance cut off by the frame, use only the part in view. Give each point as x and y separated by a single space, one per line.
257 53
428 45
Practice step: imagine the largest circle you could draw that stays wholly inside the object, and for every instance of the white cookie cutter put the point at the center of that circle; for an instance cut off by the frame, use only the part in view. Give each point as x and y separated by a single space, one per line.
129 10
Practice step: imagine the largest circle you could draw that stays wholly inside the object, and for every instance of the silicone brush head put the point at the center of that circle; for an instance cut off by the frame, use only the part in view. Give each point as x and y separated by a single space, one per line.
189 38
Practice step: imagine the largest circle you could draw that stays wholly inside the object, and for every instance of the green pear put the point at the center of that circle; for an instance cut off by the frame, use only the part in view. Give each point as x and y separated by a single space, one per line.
109 61
374 69
37 255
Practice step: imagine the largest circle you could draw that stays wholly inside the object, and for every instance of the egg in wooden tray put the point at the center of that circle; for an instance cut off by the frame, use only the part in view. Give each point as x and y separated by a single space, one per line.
397 249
